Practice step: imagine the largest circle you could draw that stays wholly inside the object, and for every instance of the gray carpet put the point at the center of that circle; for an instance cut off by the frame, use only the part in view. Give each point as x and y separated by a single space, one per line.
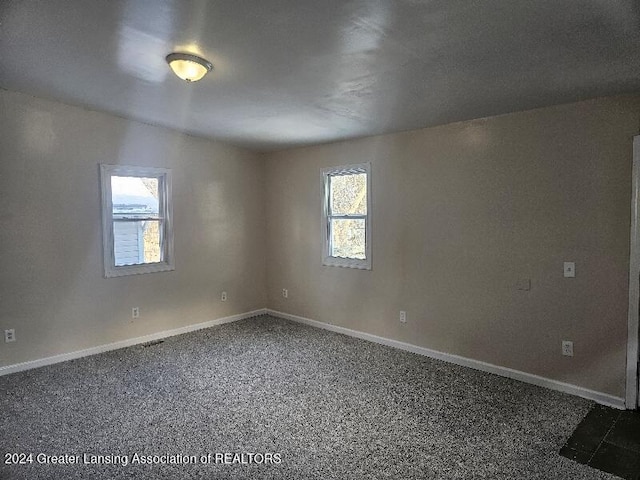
331 406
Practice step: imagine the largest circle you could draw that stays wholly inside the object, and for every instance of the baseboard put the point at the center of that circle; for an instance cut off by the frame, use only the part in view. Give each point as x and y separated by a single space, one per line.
599 397
41 362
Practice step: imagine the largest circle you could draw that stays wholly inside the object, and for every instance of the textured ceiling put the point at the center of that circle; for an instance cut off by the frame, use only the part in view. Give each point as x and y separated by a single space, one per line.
300 72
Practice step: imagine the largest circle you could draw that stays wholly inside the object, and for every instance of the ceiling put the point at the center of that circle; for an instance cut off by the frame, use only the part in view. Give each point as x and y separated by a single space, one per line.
300 72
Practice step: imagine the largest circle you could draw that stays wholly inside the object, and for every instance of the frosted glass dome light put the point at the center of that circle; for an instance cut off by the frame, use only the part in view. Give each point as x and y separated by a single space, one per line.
188 67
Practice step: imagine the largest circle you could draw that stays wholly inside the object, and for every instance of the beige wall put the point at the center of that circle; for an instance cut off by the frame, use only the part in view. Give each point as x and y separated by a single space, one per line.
461 212
52 289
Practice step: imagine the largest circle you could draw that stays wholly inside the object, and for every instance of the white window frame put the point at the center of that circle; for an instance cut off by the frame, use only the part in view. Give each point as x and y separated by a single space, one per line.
165 206
327 259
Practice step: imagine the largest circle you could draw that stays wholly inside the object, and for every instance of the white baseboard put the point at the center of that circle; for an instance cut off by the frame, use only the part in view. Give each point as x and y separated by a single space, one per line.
599 397
41 362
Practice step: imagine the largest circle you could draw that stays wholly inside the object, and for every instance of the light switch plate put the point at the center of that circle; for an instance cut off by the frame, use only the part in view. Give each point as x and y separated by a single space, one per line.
569 269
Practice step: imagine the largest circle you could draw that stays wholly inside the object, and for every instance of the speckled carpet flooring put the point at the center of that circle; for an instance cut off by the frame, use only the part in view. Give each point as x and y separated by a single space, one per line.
266 398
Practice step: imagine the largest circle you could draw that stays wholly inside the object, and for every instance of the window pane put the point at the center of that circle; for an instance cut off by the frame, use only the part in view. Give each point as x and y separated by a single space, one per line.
348 194
151 241
136 243
134 197
348 238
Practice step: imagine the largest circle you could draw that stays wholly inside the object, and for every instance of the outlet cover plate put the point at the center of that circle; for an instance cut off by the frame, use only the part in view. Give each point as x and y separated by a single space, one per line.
10 335
567 348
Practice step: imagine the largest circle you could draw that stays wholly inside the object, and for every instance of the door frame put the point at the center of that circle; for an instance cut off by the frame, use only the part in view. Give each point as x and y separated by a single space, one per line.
632 392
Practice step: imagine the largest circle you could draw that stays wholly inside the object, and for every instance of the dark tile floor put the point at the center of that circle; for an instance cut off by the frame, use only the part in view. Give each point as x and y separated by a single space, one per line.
609 440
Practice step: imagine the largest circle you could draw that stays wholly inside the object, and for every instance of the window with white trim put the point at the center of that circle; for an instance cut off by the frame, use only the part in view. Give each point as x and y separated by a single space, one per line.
346 222
136 220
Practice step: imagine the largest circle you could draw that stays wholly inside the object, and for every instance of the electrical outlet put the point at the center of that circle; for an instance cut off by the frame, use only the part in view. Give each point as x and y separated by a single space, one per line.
10 335
567 348
285 293
403 316
135 312
223 296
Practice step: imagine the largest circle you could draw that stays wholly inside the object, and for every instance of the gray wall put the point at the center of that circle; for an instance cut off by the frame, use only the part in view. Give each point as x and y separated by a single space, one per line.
463 211
52 289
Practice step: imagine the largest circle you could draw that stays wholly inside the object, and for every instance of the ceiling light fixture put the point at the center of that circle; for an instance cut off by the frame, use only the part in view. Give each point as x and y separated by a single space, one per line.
188 67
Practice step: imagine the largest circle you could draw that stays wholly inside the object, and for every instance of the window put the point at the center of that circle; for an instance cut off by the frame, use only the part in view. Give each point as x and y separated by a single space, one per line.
346 222
136 220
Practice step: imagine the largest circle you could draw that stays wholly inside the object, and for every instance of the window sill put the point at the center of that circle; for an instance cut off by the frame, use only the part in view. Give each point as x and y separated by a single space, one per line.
126 270
347 263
